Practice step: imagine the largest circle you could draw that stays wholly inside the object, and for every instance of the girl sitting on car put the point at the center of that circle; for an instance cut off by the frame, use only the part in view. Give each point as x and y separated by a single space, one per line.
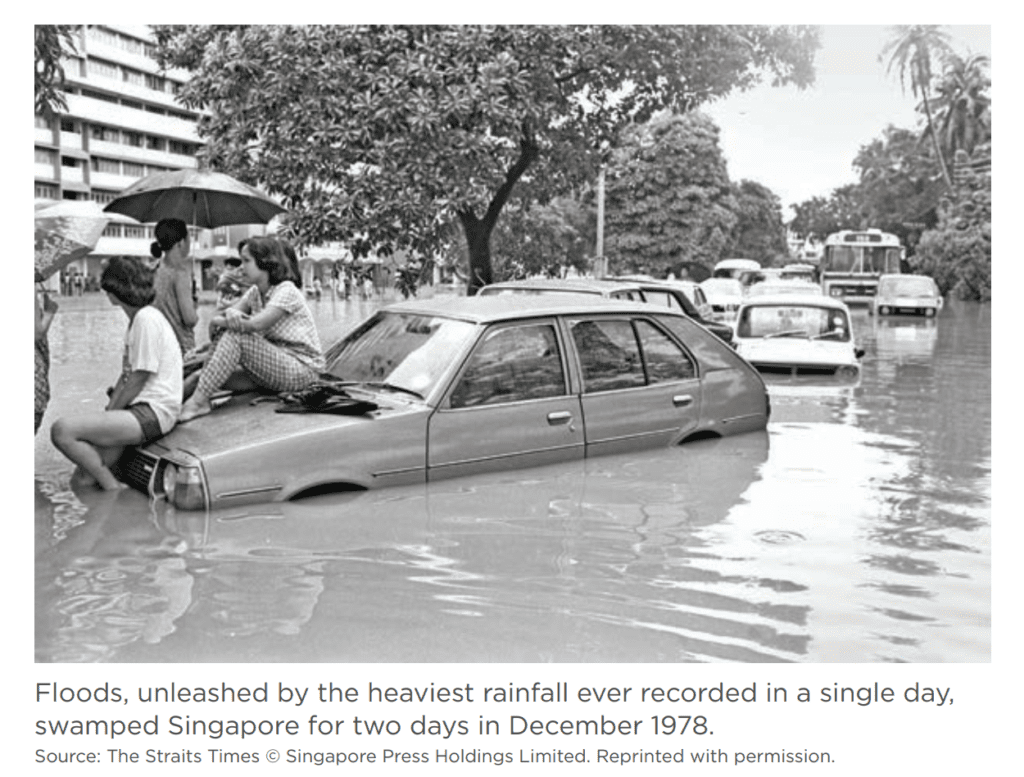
270 340
145 403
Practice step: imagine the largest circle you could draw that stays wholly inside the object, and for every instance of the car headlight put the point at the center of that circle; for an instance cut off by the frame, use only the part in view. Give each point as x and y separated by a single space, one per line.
847 372
183 485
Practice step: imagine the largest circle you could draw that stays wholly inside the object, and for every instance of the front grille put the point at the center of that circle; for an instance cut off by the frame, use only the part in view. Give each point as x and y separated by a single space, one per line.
135 467
787 369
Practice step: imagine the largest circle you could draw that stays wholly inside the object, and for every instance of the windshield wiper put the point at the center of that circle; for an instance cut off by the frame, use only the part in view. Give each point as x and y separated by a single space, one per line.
788 333
394 387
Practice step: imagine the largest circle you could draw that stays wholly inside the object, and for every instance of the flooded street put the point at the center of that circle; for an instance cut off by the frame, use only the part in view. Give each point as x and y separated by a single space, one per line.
856 529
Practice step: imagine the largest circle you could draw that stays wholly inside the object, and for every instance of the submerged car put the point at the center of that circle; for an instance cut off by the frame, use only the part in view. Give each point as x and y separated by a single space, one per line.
798 336
771 287
916 294
460 385
725 296
661 293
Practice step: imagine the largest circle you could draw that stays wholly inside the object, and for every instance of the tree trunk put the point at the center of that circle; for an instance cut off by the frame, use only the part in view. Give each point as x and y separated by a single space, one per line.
478 230
935 141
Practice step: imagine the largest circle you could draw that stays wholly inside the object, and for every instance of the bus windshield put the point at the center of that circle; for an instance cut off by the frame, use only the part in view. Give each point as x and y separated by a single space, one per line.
865 259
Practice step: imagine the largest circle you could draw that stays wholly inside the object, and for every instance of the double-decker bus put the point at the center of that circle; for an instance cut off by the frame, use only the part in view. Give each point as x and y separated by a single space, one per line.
854 259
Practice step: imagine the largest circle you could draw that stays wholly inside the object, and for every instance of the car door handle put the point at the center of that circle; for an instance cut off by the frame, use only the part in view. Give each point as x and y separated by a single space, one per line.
682 400
561 417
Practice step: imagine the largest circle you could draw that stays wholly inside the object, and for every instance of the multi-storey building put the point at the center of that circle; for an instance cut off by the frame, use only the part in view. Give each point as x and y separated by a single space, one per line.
123 122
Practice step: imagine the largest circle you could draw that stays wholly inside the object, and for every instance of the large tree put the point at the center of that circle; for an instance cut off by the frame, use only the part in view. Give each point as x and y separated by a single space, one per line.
963 109
910 51
819 217
381 136
759 232
668 196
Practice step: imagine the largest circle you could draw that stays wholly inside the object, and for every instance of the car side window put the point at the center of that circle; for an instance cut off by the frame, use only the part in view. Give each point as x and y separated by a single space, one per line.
662 299
512 364
609 355
665 361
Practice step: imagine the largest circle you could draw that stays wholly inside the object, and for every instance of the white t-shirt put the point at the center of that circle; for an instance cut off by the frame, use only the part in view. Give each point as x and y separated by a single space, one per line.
151 345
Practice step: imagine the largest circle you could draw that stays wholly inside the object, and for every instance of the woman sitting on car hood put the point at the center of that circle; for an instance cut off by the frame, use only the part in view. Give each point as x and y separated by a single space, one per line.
270 339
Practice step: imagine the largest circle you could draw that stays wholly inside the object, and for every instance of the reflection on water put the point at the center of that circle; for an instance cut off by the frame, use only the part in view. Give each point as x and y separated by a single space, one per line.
855 529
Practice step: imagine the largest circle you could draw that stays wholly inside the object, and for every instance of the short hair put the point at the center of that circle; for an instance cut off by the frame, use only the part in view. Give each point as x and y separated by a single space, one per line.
168 233
129 280
268 255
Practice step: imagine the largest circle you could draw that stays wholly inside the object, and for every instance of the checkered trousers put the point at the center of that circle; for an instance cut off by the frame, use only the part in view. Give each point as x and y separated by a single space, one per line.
270 366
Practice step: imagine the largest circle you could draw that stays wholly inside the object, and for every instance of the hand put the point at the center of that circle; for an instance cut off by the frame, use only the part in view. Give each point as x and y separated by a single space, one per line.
233 319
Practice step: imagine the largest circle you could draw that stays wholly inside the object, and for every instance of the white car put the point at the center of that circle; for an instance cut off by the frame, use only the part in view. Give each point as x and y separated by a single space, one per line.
783 287
696 295
906 294
724 295
798 336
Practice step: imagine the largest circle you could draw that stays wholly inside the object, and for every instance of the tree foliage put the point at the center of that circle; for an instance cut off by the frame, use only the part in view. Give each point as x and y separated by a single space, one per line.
668 196
962 105
382 136
759 232
821 216
53 43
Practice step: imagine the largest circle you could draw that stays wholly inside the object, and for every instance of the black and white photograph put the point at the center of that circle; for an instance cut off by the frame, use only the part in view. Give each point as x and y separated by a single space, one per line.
297 288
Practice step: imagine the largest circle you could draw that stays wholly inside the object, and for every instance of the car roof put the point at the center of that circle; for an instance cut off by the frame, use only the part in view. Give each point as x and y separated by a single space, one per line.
738 264
581 285
501 307
810 300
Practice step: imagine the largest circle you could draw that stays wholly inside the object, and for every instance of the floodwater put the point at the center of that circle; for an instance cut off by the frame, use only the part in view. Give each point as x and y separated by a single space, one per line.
856 529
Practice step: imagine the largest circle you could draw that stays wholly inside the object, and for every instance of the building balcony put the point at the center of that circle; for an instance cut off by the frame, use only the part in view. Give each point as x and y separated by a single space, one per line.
100 50
46 172
45 136
70 140
110 150
126 89
102 112
72 175
114 182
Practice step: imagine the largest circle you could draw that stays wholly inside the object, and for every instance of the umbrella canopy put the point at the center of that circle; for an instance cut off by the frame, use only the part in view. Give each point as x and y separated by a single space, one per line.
66 230
201 198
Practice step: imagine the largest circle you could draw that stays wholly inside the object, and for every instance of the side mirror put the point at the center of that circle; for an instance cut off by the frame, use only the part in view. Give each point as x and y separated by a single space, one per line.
859 352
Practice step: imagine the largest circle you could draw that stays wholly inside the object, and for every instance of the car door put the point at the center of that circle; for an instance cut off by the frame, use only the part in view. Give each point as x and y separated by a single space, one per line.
509 407
640 388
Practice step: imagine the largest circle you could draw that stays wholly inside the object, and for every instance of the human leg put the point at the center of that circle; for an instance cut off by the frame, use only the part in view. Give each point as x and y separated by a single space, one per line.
93 442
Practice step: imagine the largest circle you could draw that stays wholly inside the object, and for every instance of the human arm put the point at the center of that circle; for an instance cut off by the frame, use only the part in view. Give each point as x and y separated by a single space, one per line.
186 303
128 387
235 320
44 315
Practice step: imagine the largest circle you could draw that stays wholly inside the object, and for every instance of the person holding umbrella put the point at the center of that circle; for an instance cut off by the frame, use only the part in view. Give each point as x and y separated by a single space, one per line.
173 281
145 403
271 339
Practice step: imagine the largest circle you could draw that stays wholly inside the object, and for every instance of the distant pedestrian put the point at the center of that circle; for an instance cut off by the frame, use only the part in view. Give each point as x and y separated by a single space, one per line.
173 281
145 402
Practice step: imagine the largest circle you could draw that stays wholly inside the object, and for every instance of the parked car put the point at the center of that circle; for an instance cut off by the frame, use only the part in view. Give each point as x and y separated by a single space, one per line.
916 294
744 270
643 288
797 336
460 385
800 272
696 295
725 296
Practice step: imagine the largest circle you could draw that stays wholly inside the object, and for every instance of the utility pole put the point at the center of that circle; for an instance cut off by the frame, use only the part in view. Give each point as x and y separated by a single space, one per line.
600 264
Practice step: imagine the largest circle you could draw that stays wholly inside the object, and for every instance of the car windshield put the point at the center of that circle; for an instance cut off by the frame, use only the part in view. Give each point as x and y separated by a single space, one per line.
405 351
793 321
907 287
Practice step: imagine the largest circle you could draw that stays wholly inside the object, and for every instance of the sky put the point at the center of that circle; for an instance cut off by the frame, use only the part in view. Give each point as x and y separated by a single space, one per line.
801 143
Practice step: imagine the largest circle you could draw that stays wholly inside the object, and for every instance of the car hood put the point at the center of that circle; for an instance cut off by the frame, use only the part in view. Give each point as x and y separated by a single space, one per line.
795 350
249 420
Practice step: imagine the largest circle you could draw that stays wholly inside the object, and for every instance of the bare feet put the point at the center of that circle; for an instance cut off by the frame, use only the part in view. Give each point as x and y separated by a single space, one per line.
194 408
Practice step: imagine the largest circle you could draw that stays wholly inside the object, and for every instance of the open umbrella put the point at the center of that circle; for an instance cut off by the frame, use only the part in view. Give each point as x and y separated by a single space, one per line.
201 198
66 230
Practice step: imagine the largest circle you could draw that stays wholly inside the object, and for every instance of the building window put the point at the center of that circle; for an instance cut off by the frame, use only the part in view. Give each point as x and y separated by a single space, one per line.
46 191
132 104
101 165
97 67
112 230
99 96
69 161
136 232
102 197
177 147
132 138
133 170
44 156
133 77
155 82
67 125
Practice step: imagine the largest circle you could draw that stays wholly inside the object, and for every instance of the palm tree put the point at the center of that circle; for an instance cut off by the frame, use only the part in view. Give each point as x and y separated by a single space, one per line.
962 105
911 49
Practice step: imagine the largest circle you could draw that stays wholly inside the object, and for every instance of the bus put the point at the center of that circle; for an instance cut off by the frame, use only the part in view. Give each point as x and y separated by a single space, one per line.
854 259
